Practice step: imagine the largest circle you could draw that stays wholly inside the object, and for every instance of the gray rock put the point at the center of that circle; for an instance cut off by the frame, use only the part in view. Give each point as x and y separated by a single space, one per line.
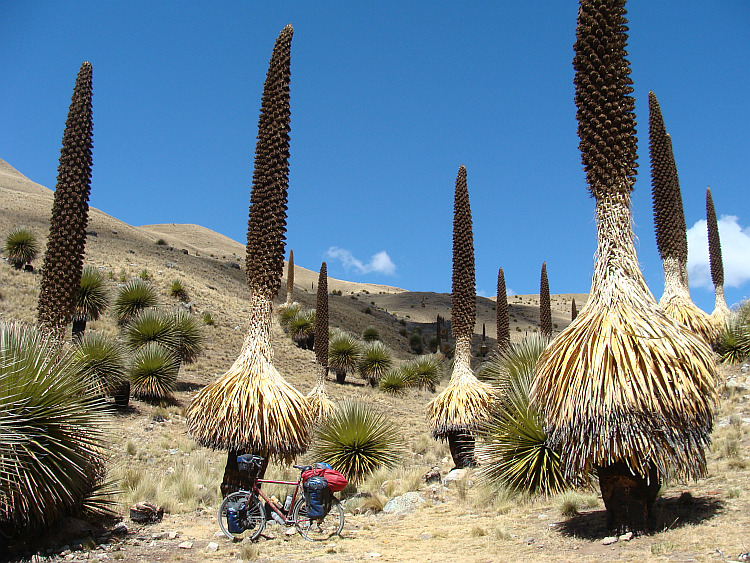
212 546
404 504
185 545
457 475
609 540
626 536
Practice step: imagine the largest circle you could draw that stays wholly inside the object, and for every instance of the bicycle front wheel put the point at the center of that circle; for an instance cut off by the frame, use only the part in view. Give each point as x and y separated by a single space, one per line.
318 529
241 515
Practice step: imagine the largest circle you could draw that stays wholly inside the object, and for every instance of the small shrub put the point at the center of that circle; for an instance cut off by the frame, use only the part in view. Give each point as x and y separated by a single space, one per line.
415 342
368 311
161 242
178 291
370 333
144 275
21 247
208 319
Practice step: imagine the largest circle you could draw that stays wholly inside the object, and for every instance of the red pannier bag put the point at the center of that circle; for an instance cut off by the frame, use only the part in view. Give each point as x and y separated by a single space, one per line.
336 481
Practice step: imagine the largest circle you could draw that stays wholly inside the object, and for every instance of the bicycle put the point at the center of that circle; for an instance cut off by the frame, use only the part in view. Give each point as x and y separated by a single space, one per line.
242 511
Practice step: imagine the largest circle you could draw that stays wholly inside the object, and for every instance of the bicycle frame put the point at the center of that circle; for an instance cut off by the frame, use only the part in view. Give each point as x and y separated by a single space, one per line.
270 504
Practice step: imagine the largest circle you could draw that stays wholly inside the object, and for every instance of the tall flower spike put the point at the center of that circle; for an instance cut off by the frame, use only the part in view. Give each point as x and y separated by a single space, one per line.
721 311
503 319
63 260
671 234
290 279
625 391
545 309
465 401
320 403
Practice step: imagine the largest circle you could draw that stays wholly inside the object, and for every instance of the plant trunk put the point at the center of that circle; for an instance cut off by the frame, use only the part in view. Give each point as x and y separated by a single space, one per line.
234 479
79 327
122 394
461 445
340 375
628 497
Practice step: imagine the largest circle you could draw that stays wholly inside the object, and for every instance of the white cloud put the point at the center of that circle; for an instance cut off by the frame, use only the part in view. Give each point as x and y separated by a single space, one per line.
380 263
735 253
509 292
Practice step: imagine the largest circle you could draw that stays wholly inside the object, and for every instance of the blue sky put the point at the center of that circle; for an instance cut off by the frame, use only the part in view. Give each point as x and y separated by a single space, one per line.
388 100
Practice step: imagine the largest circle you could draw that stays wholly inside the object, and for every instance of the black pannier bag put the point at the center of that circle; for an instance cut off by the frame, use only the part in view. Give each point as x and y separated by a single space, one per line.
250 464
317 497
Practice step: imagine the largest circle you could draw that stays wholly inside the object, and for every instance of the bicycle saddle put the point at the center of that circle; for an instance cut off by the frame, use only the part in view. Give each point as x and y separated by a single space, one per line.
302 467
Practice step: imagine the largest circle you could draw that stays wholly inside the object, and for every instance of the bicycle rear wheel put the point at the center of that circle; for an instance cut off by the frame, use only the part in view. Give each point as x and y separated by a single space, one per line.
318 529
241 515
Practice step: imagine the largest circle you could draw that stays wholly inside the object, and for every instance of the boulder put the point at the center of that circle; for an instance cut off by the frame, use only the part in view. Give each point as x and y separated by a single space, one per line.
404 504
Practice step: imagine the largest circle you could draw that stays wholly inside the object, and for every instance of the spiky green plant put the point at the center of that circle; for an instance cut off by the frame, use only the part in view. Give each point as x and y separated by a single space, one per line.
151 325
302 329
287 313
63 259
52 433
733 342
343 354
375 361
423 372
514 451
208 318
102 361
134 296
190 338
21 246
92 299
394 382
721 311
356 439
545 310
178 290
153 372
370 333
503 317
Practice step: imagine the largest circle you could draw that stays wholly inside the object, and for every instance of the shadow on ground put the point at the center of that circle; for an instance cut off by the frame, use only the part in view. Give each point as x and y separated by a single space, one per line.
669 514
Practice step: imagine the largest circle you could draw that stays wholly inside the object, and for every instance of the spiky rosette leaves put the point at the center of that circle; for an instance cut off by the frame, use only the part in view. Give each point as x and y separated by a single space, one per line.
423 372
102 361
463 294
92 297
376 360
252 407
503 317
321 318
514 450
52 432
136 295
153 371
266 226
721 311
669 217
606 122
545 309
63 259
290 277
21 246
356 439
